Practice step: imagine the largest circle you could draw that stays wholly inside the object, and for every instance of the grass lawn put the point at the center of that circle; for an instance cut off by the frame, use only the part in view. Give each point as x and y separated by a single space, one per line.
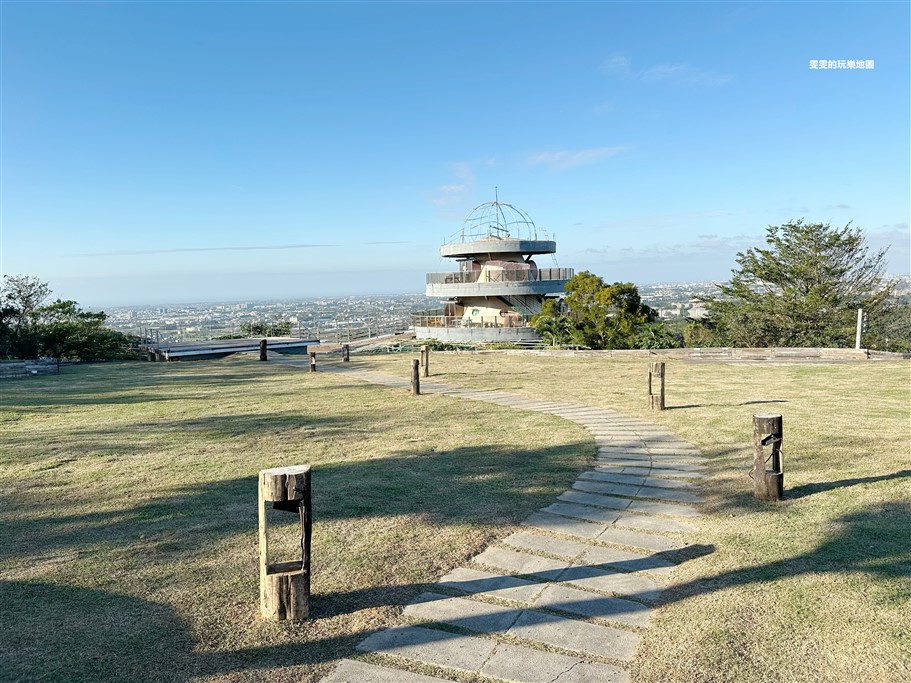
128 512
814 588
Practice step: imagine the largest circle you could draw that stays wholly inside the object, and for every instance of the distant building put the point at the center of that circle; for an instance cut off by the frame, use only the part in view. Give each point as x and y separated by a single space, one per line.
498 286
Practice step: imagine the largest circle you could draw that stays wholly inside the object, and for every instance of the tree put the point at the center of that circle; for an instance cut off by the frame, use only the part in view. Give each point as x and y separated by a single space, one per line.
658 336
20 295
803 289
264 329
605 316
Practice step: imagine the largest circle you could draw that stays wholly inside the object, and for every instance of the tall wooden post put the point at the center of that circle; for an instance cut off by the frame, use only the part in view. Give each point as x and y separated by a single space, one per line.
656 386
425 360
860 327
284 587
416 377
313 361
263 344
767 433
346 353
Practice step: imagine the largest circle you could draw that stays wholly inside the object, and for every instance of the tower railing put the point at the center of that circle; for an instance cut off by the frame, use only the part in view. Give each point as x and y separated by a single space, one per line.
500 275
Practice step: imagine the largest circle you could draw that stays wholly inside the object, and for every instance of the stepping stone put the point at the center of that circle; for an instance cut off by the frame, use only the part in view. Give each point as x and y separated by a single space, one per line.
654 508
476 582
482 617
636 539
592 514
592 605
644 471
679 458
579 636
624 456
596 475
564 525
624 585
624 560
580 494
523 665
351 671
430 646
587 554
521 563
588 480
546 544
653 523
684 466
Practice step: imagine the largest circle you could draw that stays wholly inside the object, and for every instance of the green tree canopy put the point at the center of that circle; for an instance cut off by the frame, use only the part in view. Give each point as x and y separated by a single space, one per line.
60 329
605 316
803 289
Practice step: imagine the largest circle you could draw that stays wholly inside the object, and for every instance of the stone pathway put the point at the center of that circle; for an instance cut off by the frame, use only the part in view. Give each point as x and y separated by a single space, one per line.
567 599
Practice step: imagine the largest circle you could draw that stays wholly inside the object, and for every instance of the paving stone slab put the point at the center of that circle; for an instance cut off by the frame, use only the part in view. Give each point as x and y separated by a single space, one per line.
430 646
587 512
588 554
564 525
482 617
668 509
351 671
581 497
583 494
545 544
476 582
597 475
685 466
644 471
591 605
521 563
632 521
639 457
621 584
578 636
637 539
523 665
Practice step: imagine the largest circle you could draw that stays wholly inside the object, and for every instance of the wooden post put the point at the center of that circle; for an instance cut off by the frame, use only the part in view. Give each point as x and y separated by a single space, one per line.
767 432
263 344
656 386
860 327
425 360
313 361
416 377
284 587
346 353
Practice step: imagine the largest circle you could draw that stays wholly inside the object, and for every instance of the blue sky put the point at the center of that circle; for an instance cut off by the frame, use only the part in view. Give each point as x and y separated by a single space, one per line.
168 152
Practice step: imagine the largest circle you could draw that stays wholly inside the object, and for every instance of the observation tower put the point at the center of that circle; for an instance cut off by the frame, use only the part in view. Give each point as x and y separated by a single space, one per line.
498 286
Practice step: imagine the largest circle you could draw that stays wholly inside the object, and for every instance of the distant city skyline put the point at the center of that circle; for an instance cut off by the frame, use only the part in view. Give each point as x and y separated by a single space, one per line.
204 151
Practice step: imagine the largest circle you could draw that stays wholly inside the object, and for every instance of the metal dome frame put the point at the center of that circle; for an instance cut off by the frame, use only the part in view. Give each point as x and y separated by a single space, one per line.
496 220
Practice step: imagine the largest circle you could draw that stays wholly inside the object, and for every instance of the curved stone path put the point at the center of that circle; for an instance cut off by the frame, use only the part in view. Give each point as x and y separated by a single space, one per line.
566 599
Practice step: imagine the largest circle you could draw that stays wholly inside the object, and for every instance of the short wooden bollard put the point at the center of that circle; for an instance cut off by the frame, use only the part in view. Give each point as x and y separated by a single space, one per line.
284 587
416 377
313 361
263 345
425 360
767 432
346 353
656 386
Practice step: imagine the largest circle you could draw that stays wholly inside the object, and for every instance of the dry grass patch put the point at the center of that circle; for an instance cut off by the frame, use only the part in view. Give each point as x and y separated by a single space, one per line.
816 587
129 512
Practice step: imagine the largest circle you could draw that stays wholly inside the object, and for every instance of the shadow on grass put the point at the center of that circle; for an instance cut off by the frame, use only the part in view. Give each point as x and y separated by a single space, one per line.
809 489
480 485
869 541
95 635
725 405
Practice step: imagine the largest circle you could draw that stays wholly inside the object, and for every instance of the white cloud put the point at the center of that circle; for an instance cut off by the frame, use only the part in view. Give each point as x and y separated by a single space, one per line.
564 159
618 64
457 192
681 74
